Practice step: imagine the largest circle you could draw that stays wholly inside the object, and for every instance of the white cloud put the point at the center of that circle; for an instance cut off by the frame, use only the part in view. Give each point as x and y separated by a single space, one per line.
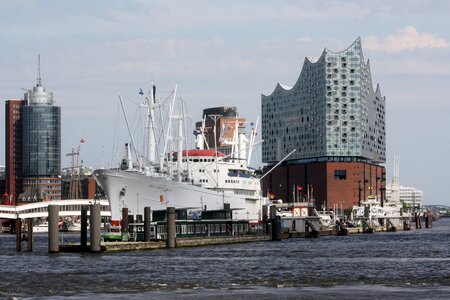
405 39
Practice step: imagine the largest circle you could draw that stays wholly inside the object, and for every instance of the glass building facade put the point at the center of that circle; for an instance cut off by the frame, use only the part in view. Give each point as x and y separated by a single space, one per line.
41 140
333 112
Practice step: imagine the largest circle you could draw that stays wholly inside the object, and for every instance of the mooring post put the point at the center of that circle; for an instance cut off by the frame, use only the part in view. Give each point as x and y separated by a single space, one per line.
419 216
275 222
276 229
95 227
53 230
430 219
265 213
124 225
417 219
83 231
170 241
147 227
30 234
18 230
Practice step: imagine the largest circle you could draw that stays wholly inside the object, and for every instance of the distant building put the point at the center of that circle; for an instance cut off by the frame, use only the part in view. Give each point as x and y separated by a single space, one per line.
224 120
33 147
78 183
335 119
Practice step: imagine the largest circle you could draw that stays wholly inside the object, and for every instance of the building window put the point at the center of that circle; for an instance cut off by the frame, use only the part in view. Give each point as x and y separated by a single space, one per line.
340 174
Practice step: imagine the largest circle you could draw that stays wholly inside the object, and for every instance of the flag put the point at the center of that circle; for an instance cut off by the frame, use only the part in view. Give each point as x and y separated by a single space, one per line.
82 140
141 92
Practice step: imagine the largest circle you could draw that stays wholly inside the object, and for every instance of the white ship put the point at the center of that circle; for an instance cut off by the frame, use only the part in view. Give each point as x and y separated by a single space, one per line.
204 179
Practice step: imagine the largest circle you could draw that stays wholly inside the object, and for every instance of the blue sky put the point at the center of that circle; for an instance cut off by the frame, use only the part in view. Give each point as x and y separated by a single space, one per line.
231 52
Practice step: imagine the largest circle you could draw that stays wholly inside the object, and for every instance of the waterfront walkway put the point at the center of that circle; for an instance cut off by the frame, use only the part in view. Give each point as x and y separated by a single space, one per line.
70 207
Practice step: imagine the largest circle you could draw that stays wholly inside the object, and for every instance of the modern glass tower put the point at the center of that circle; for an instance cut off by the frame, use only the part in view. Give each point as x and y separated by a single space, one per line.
41 145
332 112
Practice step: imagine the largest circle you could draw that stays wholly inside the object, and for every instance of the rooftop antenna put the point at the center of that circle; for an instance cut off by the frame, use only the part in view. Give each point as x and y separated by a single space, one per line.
39 71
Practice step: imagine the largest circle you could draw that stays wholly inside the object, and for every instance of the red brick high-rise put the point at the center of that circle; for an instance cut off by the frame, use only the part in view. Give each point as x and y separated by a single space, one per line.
13 148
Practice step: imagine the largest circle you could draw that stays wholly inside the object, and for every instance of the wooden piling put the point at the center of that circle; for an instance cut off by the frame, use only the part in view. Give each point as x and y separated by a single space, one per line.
417 220
265 213
53 230
428 219
419 217
272 212
30 234
95 221
366 226
341 227
147 224
124 224
170 241
83 231
310 230
18 230
276 229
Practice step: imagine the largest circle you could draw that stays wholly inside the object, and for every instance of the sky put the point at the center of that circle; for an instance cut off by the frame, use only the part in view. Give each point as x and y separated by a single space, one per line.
229 53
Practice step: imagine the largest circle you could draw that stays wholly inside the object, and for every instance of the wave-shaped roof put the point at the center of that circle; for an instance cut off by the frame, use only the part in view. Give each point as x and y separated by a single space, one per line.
312 61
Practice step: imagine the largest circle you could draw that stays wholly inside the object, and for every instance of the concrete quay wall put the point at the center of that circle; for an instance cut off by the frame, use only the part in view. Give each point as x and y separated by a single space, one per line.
203 241
182 242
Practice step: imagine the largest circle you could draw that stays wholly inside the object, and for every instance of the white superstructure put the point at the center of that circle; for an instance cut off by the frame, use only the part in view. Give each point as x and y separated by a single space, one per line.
410 197
406 196
202 179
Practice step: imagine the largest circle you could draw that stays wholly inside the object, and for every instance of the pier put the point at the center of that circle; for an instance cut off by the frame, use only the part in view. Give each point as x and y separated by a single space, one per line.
172 228
53 210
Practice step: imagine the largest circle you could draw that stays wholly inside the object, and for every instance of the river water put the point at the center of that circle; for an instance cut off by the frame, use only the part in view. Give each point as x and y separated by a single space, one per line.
398 265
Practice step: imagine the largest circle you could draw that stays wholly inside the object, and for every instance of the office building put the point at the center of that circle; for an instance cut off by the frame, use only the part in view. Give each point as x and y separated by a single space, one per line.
33 147
13 150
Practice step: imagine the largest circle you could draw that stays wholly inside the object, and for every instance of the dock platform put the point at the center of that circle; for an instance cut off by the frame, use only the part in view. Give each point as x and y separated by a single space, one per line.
180 242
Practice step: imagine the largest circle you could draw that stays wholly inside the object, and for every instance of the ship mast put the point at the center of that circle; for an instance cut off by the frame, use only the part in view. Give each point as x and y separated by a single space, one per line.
150 104
74 185
215 118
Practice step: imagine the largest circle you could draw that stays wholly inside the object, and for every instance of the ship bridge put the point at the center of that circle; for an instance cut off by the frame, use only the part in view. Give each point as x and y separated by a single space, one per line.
71 207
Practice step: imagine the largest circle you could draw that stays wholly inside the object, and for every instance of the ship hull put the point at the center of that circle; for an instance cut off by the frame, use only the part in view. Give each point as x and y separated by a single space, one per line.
136 191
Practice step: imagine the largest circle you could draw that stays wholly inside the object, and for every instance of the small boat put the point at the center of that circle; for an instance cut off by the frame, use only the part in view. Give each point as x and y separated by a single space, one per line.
74 227
42 227
114 234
